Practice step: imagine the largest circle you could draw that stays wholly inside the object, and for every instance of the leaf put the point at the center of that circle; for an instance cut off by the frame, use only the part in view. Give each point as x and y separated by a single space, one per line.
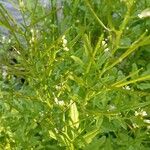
99 121
52 135
74 114
87 46
90 135
77 60
143 86
134 69
96 144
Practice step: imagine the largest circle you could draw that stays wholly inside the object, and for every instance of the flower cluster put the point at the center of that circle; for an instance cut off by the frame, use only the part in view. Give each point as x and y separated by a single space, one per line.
142 114
64 43
126 87
4 40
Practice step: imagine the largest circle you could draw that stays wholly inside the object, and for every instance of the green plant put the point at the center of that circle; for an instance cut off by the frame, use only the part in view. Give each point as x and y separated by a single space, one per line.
86 79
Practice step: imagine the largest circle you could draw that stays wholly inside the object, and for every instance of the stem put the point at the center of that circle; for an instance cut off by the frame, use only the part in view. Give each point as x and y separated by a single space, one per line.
96 17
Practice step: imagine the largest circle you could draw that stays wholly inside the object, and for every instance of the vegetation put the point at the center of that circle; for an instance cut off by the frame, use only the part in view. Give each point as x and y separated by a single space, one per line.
76 77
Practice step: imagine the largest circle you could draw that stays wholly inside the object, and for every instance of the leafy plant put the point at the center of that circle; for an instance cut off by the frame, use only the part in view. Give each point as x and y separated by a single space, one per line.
86 79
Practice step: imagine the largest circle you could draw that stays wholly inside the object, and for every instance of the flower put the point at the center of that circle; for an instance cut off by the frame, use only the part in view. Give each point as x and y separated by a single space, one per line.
64 43
106 50
104 44
147 121
66 49
126 87
59 102
140 113
145 13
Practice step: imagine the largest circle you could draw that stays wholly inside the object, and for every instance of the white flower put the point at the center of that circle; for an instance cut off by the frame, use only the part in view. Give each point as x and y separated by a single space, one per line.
127 87
66 49
112 107
3 39
145 13
147 121
106 50
9 41
148 127
143 113
104 44
58 87
59 102
64 41
140 113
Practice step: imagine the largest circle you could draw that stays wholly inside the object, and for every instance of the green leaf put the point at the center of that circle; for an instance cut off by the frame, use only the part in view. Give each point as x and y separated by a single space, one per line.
90 135
74 114
77 60
143 86
96 144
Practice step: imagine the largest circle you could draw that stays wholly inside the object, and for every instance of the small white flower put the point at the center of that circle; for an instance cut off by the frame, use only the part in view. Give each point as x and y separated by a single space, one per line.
32 31
140 113
9 41
59 102
136 113
104 44
41 113
3 39
64 41
127 87
148 127
58 87
66 49
106 50
143 113
112 107
147 121
145 13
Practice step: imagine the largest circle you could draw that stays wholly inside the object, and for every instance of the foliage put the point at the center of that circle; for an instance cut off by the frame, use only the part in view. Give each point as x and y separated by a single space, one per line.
86 78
